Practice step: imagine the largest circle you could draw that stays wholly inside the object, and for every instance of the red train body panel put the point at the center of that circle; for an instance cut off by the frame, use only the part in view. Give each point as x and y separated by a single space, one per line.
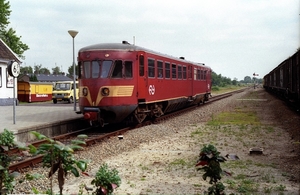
119 81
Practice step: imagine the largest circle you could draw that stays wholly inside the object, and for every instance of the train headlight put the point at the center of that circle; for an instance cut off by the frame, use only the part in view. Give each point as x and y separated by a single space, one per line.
85 91
105 91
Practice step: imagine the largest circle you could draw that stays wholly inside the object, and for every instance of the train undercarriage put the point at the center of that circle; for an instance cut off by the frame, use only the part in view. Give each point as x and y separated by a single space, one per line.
139 113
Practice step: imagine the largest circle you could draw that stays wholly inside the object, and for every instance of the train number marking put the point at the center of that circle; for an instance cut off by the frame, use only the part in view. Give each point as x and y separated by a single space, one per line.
151 89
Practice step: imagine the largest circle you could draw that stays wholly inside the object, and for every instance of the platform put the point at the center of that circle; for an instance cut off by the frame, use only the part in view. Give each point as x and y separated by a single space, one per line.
45 118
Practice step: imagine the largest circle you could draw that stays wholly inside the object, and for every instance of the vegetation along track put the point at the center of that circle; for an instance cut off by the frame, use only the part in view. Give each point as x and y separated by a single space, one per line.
25 160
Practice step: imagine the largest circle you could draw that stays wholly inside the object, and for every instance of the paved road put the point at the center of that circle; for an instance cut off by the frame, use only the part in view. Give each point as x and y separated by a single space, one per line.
49 103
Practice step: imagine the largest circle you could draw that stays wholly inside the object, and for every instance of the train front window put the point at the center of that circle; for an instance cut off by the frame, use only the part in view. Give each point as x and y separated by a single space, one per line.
117 73
86 69
95 69
106 65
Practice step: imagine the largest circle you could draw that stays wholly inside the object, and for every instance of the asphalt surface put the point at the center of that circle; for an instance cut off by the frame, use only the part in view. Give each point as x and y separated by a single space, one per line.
28 115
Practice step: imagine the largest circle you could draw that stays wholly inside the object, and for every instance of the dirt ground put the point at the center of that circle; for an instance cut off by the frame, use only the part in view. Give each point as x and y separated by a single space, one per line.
167 165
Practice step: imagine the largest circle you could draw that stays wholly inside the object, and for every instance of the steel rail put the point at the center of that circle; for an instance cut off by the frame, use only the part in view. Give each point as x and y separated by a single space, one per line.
19 166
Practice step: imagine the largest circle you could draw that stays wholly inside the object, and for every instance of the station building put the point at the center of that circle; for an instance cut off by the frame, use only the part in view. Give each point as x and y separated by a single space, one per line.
7 81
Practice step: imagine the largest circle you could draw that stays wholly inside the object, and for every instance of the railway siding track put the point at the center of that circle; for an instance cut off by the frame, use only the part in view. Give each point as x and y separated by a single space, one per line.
30 161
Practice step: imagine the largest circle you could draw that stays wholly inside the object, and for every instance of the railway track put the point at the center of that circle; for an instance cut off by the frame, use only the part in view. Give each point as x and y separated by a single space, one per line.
93 138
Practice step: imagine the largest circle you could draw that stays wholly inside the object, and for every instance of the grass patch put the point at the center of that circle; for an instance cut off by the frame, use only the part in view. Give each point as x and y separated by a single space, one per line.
235 118
229 88
179 162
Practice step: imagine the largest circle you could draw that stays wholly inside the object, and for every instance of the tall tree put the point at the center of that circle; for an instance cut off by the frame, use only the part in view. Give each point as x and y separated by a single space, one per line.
37 69
4 14
44 71
26 70
70 71
56 70
8 35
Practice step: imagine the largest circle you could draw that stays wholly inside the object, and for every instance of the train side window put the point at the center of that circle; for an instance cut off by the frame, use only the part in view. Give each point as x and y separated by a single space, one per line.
174 71
87 69
128 69
141 60
184 72
198 74
179 71
201 74
195 73
190 72
95 69
106 66
204 76
151 67
167 69
117 73
160 73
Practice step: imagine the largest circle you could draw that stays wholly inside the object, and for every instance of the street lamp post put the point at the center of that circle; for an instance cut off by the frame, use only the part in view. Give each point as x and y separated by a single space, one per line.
73 34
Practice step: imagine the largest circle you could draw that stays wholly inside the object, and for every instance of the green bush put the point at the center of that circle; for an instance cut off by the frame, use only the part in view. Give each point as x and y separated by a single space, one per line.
106 180
209 160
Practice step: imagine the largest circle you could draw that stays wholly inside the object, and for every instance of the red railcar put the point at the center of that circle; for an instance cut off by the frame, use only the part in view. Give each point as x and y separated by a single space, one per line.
120 82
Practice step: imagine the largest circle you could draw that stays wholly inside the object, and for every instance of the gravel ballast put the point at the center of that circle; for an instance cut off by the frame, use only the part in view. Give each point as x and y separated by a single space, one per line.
161 158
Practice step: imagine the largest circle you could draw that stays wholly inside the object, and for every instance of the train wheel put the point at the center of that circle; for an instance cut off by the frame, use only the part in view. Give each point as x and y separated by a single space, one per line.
54 101
139 115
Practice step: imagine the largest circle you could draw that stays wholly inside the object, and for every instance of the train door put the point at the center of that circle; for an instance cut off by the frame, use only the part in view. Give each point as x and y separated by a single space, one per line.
190 79
142 83
208 80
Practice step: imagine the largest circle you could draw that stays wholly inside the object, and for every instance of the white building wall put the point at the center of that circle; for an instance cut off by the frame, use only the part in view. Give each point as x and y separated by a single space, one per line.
6 86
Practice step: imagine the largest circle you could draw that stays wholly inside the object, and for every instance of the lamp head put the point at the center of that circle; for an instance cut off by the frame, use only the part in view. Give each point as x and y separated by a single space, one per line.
73 33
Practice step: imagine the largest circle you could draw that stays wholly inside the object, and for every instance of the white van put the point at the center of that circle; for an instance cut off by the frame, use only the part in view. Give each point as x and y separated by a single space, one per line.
63 91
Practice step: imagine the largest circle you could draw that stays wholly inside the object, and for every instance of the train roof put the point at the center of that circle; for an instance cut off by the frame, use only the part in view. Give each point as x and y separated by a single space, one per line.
129 47
284 61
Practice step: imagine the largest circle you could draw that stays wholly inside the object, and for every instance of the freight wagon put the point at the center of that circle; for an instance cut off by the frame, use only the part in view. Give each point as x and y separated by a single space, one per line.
284 79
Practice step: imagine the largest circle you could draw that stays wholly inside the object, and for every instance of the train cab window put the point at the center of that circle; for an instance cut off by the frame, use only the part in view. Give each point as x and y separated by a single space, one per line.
179 71
174 71
86 69
80 70
167 70
95 69
106 65
117 72
141 61
160 73
151 68
204 75
184 72
128 69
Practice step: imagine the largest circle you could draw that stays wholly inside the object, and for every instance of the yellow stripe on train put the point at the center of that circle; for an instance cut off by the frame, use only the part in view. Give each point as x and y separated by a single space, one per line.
115 91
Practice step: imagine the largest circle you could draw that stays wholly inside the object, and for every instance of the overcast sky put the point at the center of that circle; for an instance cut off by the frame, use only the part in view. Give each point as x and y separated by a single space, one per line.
234 37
